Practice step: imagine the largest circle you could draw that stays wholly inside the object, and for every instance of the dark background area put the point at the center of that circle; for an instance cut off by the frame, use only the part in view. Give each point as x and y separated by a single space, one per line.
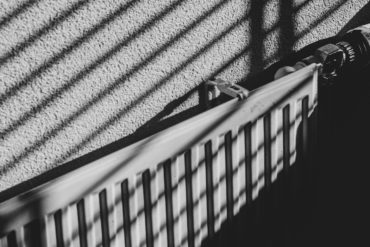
322 202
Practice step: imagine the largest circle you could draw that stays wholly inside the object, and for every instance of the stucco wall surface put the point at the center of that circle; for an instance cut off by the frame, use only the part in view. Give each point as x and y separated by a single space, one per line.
76 75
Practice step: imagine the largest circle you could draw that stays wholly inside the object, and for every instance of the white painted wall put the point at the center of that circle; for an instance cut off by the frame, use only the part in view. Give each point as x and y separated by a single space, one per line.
76 75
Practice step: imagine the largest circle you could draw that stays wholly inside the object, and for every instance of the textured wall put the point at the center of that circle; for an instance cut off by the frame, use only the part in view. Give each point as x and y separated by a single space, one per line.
76 75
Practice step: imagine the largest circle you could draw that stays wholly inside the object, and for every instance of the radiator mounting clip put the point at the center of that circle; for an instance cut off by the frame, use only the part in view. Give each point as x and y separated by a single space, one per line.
229 88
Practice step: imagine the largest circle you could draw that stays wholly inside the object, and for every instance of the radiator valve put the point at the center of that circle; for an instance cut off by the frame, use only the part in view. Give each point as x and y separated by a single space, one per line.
352 51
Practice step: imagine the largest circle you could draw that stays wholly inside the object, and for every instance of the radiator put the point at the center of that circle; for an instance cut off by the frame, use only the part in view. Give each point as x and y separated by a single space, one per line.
176 187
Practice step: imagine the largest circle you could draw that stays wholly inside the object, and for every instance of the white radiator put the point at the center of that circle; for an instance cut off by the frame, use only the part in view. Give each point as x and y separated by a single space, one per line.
175 187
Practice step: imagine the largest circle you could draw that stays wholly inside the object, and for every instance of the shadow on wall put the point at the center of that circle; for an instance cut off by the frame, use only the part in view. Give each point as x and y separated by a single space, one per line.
323 203
85 224
155 123
361 18
29 99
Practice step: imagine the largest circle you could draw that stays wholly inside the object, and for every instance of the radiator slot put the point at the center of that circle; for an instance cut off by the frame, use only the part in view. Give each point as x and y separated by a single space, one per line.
104 218
146 178
209 186
229 173
189 198
82 223
248 162
286 139
169 205
58 228
126 213
267 148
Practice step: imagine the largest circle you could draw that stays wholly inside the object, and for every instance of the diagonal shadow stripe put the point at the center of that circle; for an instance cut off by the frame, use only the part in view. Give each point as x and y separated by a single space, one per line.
127 160
24 118
221 119
18 11
159 84
258 149
119 81
131 138
182 211
317 21
231 112
320 19
169 108
193 142
23 45
82 74
69 49
302 5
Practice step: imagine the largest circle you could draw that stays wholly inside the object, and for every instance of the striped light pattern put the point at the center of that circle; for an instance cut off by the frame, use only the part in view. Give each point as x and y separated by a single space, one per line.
185 197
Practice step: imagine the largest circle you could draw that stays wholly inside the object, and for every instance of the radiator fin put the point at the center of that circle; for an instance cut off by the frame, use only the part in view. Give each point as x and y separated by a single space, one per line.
159 207
209 188
179 200
258 156
219 181
115 215
277 150
238 168
295 120
4 242
199 194
93 222
137 215
70 226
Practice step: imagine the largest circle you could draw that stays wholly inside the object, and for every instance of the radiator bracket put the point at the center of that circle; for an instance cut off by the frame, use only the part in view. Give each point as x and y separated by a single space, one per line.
229 88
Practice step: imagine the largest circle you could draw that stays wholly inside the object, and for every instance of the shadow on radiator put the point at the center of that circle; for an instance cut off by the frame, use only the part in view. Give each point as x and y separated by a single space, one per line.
323 202
282 214
258 36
